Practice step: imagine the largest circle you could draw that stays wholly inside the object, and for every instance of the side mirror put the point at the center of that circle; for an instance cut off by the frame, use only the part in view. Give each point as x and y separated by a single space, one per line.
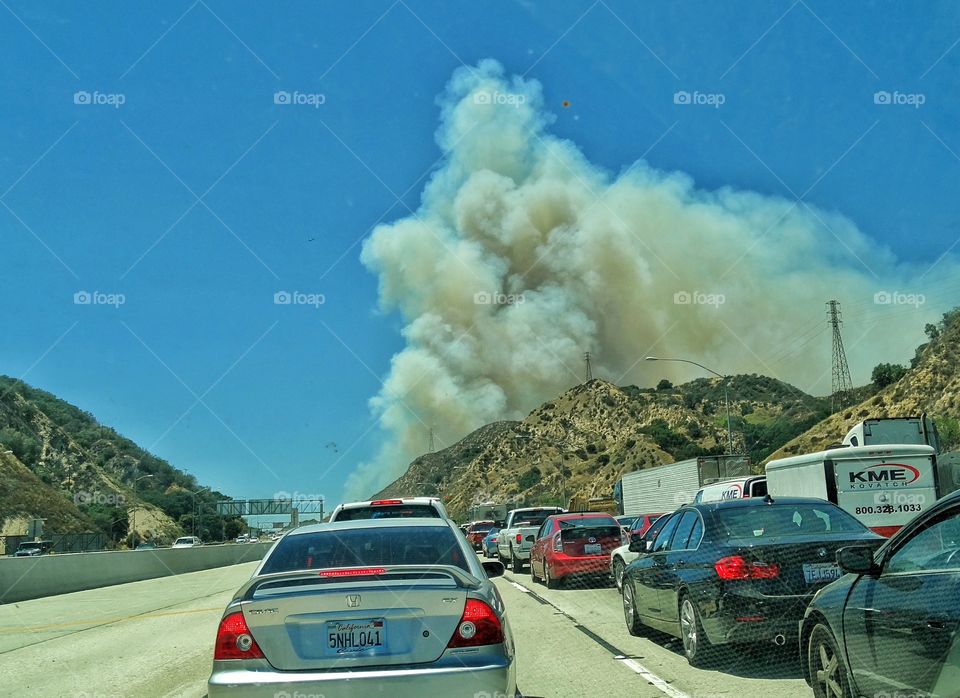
638 545
531 538
493 568
857 559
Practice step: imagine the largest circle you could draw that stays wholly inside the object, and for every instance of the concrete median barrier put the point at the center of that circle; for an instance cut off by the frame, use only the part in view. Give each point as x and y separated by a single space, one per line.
23 578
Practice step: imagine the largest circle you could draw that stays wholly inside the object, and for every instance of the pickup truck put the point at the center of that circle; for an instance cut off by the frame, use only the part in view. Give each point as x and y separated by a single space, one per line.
519 531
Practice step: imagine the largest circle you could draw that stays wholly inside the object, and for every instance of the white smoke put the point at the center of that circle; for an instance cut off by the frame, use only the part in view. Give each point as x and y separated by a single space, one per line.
523 256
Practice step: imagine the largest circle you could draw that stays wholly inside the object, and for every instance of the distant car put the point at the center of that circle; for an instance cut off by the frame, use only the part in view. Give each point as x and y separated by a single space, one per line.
490 543
403 507
242 538
574 545
146 545
626 521
891 626
32 548
477 531
643 527
396 606
187 542
737 571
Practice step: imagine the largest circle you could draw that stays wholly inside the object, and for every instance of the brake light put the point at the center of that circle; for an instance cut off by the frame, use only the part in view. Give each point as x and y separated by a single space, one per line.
735 567
234 640
478 625
557 543
361 572
384 502
519 537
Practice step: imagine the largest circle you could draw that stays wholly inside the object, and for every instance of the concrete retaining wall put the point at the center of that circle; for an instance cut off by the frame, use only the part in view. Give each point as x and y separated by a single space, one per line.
23 578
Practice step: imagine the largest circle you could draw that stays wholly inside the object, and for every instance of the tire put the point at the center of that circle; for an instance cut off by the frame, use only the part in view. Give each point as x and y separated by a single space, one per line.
516 564
634 626
548 580
533 575
827 672
618 568
696 646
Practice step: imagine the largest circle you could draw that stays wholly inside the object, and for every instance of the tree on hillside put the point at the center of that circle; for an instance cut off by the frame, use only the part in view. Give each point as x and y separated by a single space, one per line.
664 384
885 374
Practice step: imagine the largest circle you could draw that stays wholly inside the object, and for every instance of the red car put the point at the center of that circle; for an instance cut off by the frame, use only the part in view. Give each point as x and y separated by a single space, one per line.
574 544
477 531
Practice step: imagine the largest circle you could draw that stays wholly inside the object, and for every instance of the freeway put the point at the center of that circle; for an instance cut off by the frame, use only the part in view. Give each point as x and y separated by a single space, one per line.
154 638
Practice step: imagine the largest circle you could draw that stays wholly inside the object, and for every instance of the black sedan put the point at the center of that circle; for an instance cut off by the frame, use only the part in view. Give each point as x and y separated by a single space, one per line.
892 627
736 571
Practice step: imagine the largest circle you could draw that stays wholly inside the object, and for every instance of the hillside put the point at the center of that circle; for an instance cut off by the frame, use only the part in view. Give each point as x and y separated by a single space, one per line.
599 431
931 385
60 464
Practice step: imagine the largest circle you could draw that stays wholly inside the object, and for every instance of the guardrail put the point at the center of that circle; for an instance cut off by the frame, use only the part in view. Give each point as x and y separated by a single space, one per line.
23 578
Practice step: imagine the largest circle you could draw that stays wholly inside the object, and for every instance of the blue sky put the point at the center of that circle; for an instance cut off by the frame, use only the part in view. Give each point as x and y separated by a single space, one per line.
199 197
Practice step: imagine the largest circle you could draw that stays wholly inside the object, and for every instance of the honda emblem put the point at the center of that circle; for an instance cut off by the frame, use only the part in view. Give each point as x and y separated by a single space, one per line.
353 600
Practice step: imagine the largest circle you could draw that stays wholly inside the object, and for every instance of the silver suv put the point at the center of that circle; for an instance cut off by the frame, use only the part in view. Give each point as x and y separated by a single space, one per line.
400 507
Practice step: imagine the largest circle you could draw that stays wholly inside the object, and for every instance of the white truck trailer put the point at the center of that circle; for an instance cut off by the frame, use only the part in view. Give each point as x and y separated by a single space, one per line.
883 485
666 487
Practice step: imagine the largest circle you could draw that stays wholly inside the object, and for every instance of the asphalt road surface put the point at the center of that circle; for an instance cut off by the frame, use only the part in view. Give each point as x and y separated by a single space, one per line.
154 638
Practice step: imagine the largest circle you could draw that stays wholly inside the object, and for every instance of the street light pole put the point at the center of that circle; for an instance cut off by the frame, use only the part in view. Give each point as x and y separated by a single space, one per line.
133 512
726 397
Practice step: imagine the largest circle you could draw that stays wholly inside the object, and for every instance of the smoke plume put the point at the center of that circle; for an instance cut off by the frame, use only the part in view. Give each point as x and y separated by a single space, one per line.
523 255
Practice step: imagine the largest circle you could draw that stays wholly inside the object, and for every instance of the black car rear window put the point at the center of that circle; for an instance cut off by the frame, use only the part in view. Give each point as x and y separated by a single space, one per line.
362 547
389 511
786 520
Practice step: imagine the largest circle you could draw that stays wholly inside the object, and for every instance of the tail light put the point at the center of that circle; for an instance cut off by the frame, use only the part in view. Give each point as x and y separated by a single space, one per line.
386 502
234 640
478 625
519 537
735 567
557 543
354 572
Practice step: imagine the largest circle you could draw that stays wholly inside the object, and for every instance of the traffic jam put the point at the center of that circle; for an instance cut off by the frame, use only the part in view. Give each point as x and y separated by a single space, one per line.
845 562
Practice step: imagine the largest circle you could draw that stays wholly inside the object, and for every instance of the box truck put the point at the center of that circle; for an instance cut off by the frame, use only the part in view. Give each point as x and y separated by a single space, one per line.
883 486
665 487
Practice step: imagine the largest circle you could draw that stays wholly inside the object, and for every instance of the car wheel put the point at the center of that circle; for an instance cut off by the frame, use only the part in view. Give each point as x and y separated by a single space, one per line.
547 579
516 564
696 646
533 575
618 568
634 626
827 672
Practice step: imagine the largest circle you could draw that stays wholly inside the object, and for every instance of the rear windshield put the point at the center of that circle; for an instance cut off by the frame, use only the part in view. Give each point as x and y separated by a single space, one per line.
402 545
183 540
533 518
389 511
786 520
589 522
481 528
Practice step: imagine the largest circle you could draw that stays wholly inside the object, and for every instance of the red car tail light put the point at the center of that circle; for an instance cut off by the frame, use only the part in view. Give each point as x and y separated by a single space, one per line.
234 640
557 543
478 625
385 502
362 572
735 567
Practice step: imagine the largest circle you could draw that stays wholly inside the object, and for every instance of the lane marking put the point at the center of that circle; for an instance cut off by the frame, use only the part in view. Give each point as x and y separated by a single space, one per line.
103 621
619 655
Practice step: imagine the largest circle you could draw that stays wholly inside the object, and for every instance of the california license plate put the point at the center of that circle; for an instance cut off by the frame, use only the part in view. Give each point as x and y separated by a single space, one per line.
819 572
352 636
592 549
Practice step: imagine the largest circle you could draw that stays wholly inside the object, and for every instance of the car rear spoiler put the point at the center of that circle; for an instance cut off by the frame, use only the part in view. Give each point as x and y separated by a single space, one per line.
462 579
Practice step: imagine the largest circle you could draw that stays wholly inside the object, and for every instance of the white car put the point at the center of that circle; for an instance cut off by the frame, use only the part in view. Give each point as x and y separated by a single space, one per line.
645 526
399 507
187 542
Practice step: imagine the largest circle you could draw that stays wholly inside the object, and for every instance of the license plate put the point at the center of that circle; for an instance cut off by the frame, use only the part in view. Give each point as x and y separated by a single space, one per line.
352 636
818 572
592 549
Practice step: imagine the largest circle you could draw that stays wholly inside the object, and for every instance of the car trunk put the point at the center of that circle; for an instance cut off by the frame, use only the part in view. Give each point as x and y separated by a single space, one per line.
584 541
805 563
397 617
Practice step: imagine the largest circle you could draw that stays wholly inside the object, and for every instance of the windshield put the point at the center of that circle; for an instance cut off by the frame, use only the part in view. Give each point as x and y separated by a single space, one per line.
407 545
786 520
588 522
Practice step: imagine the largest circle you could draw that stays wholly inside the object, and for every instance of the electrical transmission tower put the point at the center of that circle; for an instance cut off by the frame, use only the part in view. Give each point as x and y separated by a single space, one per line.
432 441
841 385
586 358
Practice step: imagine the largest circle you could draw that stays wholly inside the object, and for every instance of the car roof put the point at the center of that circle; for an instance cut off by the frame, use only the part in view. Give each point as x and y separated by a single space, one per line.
386 522
401 500
568 516
756 502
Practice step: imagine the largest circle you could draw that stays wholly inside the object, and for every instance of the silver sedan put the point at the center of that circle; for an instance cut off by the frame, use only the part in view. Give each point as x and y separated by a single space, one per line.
392 607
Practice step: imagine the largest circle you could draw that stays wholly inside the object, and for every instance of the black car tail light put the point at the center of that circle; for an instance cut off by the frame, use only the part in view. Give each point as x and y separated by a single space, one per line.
735 567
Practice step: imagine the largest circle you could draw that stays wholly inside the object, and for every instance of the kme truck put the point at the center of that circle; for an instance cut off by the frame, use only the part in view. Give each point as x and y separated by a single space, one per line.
665 487
885 472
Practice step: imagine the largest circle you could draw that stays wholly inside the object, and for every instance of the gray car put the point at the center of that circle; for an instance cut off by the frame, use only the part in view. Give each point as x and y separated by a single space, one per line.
377 607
